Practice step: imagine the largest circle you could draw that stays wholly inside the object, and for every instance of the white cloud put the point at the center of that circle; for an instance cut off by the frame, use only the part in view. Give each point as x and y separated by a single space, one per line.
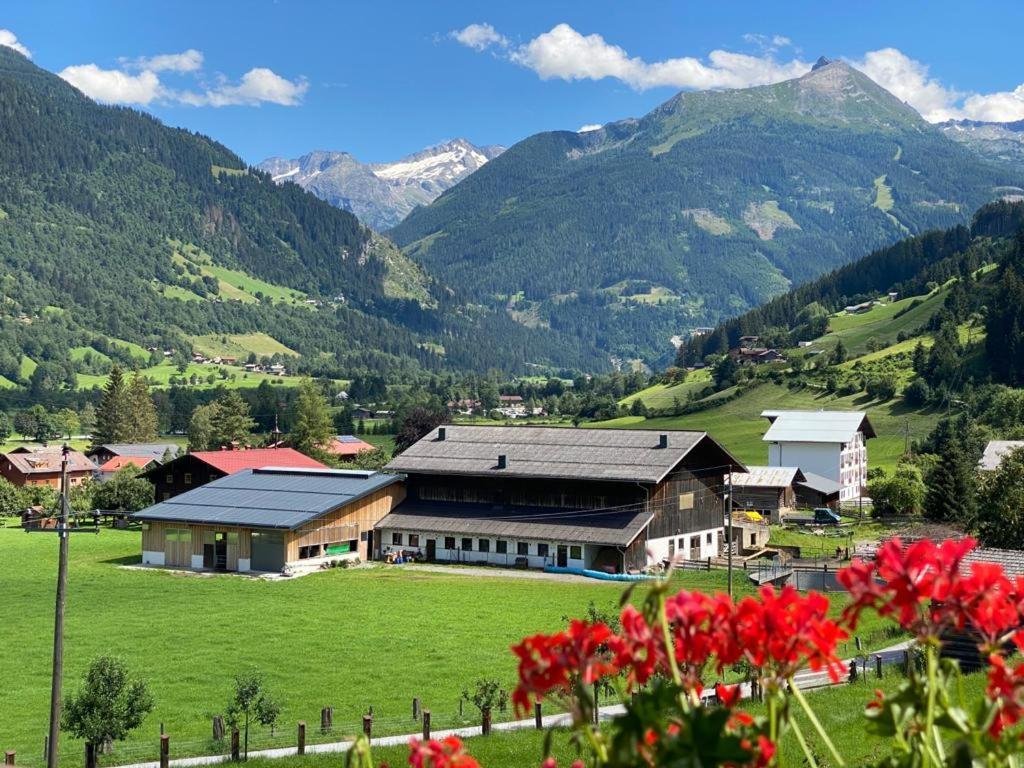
113 86
566 54
257 86
910 81
186 61
138 82
479 36
10 40
589 127
767 43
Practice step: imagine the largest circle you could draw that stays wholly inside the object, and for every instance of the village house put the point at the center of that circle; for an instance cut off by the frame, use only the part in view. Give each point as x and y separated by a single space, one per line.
347 446
613 500
201 467
995 451
269 519
42 466
752 352
769 491
859 309
832 444
114 465
101 454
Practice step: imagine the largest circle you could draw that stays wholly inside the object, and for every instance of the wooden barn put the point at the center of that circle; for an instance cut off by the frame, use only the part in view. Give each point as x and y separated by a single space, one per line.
769 491
266 519
607 499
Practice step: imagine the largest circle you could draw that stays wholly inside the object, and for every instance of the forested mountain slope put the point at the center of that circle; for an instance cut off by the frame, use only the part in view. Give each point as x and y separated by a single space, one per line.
114 226
713 203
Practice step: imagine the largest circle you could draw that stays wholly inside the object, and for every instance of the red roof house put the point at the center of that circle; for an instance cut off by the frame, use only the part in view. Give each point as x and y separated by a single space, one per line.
347 446
199 468
117 463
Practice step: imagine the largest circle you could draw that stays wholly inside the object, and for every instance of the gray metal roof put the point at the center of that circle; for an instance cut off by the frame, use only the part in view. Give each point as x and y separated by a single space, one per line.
820 484
271 497
152 450
994 452
607 528
767 477
816 426
631 455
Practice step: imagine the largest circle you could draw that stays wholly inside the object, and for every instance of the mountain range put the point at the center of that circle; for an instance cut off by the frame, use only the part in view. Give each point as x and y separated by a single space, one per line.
382 194
1001 142
712 203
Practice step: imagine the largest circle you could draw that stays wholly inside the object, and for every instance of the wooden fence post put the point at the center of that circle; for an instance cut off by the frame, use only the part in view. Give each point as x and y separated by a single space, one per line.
235 752
878 664
165 750
853 671
218 728
597 705
485 725
906 662
367 725
9 756
301 738
415 709
426 725
538 718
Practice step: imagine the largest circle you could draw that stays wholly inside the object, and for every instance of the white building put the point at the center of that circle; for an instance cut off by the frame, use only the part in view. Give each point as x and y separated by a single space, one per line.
827 443
995 451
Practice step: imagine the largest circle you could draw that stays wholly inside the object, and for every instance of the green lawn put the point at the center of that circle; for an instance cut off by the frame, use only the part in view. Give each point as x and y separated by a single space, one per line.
665 395
739 427
239 345
880 323
162 374
28 365
375 636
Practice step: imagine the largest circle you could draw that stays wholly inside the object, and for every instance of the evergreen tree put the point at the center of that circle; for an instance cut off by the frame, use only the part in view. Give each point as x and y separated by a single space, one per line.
1000 520
142 412
312 426
952 482
5 427
113 422
231 420
1005 321
839 353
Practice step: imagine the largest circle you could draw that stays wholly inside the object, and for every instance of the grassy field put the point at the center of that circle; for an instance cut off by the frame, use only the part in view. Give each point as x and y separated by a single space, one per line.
162 374
239 345
739 427
27 366
880 323
665 395
374 636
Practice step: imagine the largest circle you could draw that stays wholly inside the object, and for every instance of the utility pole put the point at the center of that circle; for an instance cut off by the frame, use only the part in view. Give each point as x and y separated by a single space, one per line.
63 530
58 619
728 529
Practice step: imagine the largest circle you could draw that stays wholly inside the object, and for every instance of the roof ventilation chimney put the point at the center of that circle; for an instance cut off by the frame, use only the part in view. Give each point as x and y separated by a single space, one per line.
442 433
663 441
502 461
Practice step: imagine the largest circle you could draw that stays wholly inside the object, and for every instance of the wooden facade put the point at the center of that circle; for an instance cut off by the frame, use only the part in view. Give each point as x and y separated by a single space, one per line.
184 545
181 475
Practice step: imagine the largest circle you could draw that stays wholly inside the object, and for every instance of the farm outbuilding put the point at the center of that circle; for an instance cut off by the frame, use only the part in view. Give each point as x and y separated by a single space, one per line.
269 518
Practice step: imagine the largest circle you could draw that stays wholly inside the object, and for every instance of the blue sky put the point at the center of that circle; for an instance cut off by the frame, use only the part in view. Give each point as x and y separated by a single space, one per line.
384 79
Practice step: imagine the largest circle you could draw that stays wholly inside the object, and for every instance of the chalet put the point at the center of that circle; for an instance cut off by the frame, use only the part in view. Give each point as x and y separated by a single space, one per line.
752 352
114 465
268 519
101 454
347 446
201 467
769 491
362 413
610 499
995 451
42 466
859 309
832 444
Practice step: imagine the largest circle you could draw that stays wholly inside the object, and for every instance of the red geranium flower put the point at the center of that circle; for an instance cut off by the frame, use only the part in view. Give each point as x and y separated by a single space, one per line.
446 753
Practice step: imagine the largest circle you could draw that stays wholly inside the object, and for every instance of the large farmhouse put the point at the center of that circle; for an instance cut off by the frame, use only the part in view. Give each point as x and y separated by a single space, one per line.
832 444
265 519
42 466
614 500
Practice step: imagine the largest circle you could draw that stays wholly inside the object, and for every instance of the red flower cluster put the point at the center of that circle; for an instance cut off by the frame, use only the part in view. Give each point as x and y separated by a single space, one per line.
1006 688
927 588
552 662
777 631
446 753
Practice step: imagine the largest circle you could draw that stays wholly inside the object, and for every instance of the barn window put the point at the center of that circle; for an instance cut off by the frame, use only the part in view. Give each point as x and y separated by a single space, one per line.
187 478
575 553
501 547
414 539
396 538
467 545
449 542
169 478
523 548
686 500
710 537
485 545
542 550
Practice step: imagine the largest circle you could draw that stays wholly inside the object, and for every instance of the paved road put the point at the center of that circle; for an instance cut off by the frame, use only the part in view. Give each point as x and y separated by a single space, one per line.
806 680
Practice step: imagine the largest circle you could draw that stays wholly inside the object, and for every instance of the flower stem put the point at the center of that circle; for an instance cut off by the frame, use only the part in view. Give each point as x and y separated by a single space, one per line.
930 732
815 721
803 744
